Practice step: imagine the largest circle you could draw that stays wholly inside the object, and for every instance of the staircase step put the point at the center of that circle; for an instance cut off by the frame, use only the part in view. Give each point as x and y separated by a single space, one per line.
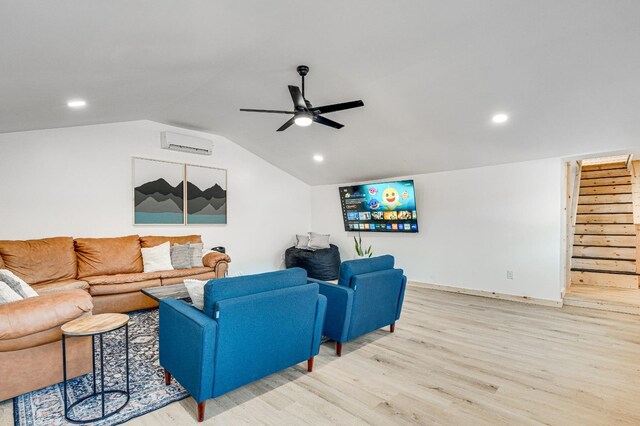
604 173
604 252
620 218
606 166
622 180
604 279
607 189
604 199
605 240
603 264
605 208
605 229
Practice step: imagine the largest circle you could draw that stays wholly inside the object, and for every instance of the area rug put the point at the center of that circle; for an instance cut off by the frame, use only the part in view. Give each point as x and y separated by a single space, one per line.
148 391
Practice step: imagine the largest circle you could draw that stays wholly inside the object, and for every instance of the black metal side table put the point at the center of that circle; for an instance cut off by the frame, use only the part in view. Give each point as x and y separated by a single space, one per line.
96 326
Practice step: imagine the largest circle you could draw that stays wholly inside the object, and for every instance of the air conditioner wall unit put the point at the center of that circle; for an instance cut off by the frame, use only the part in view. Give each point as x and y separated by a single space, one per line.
185 143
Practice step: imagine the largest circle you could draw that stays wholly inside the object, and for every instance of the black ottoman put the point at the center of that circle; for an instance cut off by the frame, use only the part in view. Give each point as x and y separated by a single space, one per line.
321 264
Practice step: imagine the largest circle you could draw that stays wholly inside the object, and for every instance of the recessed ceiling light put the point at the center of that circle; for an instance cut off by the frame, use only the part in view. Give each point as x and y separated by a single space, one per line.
77 103
318 158
500 118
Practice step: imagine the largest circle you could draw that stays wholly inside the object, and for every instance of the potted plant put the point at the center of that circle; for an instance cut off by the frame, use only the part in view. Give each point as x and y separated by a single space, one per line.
360 252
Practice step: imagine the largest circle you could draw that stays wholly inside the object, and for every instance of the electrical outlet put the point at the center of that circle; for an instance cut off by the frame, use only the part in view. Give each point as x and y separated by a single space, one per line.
509 275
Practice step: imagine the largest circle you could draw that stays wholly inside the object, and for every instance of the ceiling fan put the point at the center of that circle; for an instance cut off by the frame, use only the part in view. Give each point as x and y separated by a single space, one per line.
303 112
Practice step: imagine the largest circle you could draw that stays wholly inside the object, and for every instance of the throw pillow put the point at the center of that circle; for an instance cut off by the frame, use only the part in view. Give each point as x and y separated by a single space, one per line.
7 295
157 258
302 241
195 254
180 258
17 284
196 292
319 241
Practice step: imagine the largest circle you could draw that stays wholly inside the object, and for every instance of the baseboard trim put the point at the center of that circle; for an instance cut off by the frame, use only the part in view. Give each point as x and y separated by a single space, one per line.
489 294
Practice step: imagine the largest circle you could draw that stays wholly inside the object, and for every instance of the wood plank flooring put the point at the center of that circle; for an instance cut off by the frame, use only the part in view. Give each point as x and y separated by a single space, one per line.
613 299
453 360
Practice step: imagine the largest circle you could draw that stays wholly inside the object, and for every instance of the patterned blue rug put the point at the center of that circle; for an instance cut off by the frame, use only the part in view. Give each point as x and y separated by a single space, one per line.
148 391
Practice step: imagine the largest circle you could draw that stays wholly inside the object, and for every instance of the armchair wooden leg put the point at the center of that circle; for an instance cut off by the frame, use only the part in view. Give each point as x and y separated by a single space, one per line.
310 364
392 327
167 377
338 348
201 406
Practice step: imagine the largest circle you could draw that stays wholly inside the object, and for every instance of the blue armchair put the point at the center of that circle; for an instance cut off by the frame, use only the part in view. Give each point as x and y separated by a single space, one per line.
250 327
368 296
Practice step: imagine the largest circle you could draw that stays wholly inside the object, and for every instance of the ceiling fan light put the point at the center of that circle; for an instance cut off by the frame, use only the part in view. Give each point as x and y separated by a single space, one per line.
303 120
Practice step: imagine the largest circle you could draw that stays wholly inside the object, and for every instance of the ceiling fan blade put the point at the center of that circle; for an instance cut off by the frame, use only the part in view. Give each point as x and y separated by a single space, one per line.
266 110
337 107
296 96
286 125
321 120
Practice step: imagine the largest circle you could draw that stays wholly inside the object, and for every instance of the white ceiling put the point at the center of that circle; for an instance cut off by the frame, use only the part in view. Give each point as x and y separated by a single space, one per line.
431 74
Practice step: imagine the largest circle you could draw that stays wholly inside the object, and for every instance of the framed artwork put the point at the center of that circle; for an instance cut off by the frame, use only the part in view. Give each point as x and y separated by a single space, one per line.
158 192
206 195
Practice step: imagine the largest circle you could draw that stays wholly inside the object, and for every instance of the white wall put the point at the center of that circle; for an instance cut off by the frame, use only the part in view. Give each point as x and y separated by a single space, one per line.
78 181
475 224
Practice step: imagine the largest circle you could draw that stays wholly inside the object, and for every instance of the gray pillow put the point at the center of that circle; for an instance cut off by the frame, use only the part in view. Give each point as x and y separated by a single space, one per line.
319 241
7 295
180 258
16 284
195 255
302 241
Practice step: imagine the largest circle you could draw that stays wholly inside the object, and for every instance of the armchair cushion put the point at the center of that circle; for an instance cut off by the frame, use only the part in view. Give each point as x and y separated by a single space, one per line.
362 266
226 288
41 313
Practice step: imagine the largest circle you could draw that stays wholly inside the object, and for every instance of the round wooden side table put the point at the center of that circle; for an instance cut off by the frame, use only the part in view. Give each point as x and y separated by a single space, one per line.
95 326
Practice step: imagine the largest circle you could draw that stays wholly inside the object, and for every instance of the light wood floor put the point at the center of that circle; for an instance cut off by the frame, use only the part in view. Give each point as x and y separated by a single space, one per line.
456 360
614 299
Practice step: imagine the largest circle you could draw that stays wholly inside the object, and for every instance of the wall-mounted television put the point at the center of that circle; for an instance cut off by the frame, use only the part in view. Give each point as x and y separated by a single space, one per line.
380 207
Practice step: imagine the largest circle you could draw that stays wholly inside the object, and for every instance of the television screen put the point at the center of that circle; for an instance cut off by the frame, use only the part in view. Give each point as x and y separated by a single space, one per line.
380 207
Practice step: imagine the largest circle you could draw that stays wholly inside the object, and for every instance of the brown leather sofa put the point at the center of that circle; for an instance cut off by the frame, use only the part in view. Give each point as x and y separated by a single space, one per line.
75 278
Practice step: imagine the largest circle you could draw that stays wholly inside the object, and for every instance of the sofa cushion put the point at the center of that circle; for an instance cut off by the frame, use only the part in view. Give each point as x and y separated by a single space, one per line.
107 289
60 286
211 275
153 240
108 256
40 261
363 266
184 272
227 288
122 278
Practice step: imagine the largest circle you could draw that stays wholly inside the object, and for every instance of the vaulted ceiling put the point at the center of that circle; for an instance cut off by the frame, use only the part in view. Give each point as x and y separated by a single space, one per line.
431 75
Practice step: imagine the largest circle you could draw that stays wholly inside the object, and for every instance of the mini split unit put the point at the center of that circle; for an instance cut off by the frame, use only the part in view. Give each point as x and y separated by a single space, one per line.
185 143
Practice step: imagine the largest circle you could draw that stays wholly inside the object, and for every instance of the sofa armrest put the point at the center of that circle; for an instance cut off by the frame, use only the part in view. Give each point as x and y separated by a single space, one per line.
187 346
210 260
218 261
35 314
339 304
